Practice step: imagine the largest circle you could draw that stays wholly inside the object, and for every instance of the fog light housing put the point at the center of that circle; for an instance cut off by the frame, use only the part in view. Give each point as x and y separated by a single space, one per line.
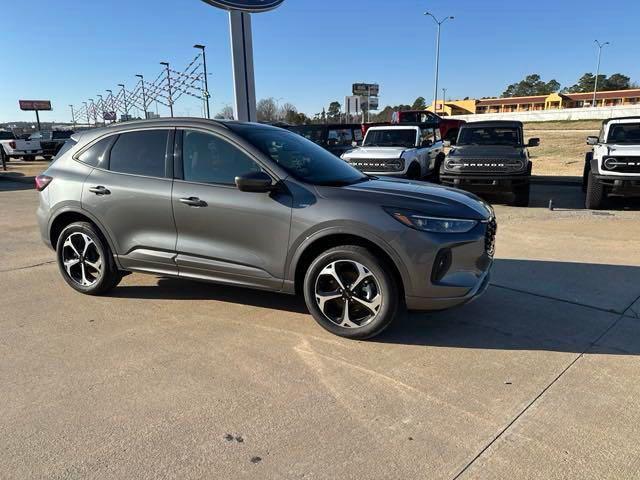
441 265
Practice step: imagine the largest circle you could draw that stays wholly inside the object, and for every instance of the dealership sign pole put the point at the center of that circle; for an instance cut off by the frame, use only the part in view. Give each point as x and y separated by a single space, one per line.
35 106
242 51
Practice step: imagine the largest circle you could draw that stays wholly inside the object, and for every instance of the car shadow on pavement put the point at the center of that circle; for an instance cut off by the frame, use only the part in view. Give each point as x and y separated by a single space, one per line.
563 316
10 181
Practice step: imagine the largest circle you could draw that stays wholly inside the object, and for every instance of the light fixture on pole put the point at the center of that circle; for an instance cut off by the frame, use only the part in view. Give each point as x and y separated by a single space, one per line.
595 87
435 89
206 82
144 94
124 98
166 64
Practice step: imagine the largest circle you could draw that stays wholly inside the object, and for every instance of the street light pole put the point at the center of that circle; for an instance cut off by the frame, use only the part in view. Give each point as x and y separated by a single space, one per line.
86 111
435 89
102 108
144 95
95 115
124 98
166 64
73 117
206 82
113 105
444 96
595 88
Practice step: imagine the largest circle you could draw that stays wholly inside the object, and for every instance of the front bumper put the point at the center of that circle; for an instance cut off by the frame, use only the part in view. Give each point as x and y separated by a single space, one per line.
485 183
431 304
625 186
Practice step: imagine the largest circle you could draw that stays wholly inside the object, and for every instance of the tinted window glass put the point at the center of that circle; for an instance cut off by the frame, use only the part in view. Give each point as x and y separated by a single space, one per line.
95 155
342 136
140 153
624 133
300 157
68 145
313 133
490 136
62 134
7 136
392 137
210 159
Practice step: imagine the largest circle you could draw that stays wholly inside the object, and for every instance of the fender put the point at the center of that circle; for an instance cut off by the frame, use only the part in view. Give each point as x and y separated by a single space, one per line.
74 207
324 231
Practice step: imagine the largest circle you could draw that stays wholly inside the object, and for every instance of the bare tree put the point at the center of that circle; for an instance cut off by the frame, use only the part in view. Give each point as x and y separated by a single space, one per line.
267 110
226 113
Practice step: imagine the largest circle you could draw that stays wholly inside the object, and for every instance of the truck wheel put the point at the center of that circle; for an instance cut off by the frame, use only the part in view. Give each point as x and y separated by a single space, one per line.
596 193
435 176
522 196
414 172
351 292
587 169
29 158
4 158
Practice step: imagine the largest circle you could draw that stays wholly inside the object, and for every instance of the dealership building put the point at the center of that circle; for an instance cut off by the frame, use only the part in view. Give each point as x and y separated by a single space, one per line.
554 101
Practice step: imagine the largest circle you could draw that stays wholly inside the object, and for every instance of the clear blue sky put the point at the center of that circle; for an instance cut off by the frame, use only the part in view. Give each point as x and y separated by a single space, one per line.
309 52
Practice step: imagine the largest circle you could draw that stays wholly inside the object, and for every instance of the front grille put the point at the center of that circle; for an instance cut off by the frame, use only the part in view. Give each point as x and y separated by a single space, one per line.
490 237
377 165
484 165
621 164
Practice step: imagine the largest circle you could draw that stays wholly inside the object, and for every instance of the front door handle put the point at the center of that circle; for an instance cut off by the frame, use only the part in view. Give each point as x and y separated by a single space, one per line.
99 190
193 202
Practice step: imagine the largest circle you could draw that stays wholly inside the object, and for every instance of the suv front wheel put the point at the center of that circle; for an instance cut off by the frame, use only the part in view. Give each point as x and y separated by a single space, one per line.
85 260
351 293
596 193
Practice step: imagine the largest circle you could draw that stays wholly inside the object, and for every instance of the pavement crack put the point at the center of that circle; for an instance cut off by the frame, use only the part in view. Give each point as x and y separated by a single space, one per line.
549 297
28 266
537 397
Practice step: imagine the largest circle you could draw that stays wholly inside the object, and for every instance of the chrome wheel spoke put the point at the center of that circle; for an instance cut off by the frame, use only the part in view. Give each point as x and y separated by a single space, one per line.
346 320
324 297
363 273
330 270
97 265
85 281
373 305
87 243
80 251
69 243
70 263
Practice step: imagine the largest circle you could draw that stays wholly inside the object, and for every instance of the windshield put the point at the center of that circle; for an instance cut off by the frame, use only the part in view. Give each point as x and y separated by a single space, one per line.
624 133
390 138
301 158
7 135
490 136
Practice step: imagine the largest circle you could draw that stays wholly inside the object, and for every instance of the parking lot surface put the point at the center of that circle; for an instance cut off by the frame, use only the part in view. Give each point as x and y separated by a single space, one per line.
173 379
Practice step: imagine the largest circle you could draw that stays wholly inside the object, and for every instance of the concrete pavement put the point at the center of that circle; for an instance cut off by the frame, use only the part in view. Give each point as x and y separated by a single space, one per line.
175 379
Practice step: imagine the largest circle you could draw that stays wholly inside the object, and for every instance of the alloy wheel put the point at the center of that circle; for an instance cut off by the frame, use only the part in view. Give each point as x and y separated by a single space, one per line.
348 294
81 259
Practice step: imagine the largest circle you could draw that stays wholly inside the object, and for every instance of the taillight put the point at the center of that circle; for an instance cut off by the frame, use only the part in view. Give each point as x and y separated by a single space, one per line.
12 144
42 181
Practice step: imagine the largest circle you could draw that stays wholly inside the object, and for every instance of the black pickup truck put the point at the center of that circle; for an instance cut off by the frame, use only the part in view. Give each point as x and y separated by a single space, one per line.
51 141
336 138
491 157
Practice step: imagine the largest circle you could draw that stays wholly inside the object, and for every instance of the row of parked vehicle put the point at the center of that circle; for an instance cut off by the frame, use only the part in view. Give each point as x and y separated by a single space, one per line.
486 157
45 143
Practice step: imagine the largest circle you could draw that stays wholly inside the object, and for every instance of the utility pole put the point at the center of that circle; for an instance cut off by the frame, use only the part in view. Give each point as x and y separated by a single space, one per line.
144 95
206 82
73 117
124 98
95 115
595 88
166 64
444 96
435 89
113 106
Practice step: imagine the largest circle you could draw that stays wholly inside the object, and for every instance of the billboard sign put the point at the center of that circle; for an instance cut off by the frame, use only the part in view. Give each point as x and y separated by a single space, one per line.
250 6
30 105
109 116
366 89
373 102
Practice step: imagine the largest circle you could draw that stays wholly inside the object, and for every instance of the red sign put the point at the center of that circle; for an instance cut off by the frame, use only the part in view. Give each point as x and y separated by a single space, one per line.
35 104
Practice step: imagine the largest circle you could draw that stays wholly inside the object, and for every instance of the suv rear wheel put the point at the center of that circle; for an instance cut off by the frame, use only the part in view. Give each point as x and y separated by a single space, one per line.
351 293
596 193
85 260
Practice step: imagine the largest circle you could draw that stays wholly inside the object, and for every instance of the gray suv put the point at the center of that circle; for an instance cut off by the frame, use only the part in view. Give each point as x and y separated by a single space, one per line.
258 206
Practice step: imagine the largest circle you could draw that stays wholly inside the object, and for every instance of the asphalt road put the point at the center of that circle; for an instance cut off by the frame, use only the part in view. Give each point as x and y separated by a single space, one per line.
538 379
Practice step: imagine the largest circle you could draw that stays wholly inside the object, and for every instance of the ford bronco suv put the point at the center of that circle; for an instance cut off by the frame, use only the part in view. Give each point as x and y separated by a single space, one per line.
409 151
490 157
613 166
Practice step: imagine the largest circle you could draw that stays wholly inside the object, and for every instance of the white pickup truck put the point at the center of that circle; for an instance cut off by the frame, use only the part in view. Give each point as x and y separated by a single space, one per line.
612 168
12 147
400 150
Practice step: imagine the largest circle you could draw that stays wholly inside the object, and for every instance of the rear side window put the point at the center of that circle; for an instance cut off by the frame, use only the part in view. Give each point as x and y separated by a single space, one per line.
140 153
95 156
68 145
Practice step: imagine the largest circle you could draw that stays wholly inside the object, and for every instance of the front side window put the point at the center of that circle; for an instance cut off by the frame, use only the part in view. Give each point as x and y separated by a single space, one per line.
140 153
507 136
390 138
428 135
211 159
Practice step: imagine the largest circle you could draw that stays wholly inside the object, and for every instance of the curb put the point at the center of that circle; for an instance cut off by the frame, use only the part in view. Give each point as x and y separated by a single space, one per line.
560 181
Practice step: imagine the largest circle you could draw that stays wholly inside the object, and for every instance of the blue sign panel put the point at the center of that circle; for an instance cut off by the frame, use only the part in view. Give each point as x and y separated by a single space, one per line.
245 5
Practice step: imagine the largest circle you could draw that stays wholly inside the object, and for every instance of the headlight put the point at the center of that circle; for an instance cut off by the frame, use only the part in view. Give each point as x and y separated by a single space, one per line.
426 223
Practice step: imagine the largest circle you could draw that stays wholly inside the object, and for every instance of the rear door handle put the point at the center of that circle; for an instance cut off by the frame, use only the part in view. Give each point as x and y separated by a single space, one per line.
99 190
193 202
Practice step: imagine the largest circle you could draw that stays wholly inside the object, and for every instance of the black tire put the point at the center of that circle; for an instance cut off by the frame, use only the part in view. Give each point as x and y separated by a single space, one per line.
414 172
596 196
379 281
587 168
29 158
4 158
102 280
435 176
522 196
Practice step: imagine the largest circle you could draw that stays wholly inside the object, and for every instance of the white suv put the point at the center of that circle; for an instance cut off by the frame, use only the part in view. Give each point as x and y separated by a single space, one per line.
613 167
402 150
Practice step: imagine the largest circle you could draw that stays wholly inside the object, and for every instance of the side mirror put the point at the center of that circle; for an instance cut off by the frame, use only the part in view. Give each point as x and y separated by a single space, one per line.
446 143
256 182
592 140
354 144
533 142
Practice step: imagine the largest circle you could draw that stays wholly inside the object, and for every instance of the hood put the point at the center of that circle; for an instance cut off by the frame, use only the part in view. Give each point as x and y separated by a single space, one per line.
486 151
382 153
623 149
424 197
